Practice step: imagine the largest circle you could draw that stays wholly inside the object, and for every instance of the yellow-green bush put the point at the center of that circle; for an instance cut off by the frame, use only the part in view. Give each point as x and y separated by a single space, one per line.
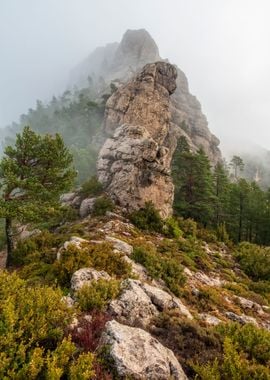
162 267
97 294
171 228
246 355
32 342
254 261
234 366
98 256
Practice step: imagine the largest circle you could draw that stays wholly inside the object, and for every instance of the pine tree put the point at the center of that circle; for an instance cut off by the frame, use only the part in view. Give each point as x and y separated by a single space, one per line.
193 180
33 174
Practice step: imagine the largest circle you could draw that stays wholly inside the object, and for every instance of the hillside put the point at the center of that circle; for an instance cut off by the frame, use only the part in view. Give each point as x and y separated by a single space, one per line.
193 294
158 266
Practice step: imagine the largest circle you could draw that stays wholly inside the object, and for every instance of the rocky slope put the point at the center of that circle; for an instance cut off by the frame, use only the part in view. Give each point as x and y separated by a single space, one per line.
139 341
118 63
134 163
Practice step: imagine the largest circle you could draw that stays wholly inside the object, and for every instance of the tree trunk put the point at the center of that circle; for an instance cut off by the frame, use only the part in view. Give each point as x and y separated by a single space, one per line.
9 238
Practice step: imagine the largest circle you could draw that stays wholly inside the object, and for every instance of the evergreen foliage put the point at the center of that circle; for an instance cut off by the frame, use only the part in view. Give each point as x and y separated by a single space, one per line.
33 175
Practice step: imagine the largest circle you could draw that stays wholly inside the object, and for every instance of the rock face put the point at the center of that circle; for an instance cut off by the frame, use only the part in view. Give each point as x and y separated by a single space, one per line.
134 163
119 63
137 355
85 276
140 302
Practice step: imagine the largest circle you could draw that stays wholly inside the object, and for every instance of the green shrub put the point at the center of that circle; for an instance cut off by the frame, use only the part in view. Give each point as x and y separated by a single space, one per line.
222 233
91 188
41 247
161 267
102 205
188 340
246 355
98 256
82 369
97 294
188 226
254 261
147 218
32 323
171 228
251 340
234 366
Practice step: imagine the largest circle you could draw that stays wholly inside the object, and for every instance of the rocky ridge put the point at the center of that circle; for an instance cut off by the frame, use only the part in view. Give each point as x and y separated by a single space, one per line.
134 163
117 63
132 337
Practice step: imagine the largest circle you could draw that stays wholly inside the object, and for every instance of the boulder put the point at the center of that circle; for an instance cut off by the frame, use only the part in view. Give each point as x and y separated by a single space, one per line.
67 198
75 240
163 300
120 245
87 207
210 319
243 319
86 276
133 305
139 303
136 354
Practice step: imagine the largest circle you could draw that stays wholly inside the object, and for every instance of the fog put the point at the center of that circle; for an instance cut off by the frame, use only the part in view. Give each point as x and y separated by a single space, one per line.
222 46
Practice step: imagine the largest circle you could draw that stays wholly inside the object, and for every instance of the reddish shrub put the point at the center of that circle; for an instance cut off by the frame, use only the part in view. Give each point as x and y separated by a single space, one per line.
88 332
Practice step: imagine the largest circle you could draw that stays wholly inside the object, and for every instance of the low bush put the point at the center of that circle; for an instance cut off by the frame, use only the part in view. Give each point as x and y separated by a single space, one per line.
97 294
254 261
233 366
98 256
102 205
188 340
41 247
87 333
32 341
171 228
188 226
147 218
161 267
91 188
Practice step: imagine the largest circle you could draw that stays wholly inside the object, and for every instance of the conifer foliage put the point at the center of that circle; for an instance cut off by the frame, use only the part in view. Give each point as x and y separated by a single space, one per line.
33 174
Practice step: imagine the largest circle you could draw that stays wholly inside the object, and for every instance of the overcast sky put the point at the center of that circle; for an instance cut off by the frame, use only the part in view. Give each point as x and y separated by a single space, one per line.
223 46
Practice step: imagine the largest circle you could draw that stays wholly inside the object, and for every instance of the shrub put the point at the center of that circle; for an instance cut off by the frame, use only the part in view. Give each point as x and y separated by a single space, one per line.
32 324
97 294
171 228
188 340
234 366
41 247
254 261
161 267
246 355
222 233
147 218
92 187
98 256
88 332
250 339
102 205
188 226
82 368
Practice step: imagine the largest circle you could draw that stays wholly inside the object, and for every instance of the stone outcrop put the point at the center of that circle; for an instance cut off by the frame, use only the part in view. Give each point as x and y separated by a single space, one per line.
139 303
137 355
119 62
85 276
134 163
